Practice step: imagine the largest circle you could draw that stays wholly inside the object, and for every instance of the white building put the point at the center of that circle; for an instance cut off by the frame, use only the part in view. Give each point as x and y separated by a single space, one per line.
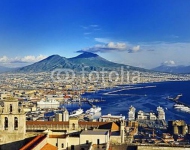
94 136
161 113
141 115
109 117
65 115
131 113
152 116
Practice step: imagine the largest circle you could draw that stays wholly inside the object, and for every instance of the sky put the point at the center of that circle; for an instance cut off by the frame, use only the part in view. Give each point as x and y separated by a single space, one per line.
143 33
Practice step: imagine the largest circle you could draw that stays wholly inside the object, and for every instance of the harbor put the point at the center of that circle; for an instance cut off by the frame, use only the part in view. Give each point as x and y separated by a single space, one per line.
179 105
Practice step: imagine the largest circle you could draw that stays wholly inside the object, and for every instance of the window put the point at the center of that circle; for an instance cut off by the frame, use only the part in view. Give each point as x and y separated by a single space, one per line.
62 145
73 125
98 141
11 108
56 144
6 123
72 147
16 123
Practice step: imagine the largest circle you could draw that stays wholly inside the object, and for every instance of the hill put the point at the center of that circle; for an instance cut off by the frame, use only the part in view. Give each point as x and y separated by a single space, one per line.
172 69
87 60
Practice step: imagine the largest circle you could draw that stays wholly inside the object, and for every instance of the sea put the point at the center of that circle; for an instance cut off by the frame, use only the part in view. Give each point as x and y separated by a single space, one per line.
144 96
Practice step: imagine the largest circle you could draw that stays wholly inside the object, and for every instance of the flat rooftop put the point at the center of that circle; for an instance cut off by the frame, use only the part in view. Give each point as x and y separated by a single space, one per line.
94 132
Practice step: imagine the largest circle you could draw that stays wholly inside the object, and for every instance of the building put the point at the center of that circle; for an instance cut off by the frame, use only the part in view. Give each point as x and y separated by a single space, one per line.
141 115
152 116
94 136
64 116
12 122
131 113
109 118
161 113
177 127
78 141
131 127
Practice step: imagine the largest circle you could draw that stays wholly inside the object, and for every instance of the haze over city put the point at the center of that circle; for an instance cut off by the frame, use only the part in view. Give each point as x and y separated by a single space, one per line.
152 32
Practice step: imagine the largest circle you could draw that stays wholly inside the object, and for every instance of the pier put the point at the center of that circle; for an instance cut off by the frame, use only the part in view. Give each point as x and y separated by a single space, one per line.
131 88
176 100
90 103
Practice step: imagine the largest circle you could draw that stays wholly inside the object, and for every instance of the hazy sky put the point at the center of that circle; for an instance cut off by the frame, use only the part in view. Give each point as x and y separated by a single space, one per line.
144 33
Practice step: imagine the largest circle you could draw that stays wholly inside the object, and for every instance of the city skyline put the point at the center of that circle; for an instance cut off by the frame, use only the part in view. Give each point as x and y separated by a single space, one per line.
152 32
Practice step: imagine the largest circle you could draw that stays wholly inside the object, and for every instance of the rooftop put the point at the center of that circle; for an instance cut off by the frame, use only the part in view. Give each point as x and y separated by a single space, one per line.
94 132
48 146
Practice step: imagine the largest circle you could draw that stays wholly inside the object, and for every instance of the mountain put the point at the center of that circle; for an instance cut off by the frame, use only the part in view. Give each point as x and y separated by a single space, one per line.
172 69
88 61
91 59
48 64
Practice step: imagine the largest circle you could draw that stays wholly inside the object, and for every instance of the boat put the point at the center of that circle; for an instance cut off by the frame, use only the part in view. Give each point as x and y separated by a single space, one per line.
182 107
48 103
76 112
178 105
93 110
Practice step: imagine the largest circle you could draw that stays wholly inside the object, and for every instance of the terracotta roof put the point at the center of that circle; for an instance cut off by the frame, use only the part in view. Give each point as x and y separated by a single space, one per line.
65 123
49 147
47 123
110 125
58 136
67 96
92 123
33 142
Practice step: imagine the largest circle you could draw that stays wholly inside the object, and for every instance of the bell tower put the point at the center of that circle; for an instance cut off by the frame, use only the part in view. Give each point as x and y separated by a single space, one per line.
12 122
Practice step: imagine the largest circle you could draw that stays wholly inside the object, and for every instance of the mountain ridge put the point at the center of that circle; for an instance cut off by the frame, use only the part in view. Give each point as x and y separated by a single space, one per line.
172 69
87 60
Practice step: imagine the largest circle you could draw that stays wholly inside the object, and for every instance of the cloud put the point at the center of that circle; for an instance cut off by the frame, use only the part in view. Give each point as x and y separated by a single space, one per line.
94 25
25 59
111 46
134 49
102 40
90 29
32 58
3 59
168 63
170 49
87 33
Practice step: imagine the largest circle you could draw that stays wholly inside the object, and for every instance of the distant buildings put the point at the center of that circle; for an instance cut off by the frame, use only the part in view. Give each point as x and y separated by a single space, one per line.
109 118
64 116
141 115
178 127
131 113
161 113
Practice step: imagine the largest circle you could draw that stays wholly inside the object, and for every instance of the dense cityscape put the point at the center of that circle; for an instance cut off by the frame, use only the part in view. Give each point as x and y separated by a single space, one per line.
26 99
94 75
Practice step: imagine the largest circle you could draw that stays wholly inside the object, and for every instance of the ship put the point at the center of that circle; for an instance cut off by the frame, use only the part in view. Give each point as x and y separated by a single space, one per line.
48 103
76 112
182 107
93 110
